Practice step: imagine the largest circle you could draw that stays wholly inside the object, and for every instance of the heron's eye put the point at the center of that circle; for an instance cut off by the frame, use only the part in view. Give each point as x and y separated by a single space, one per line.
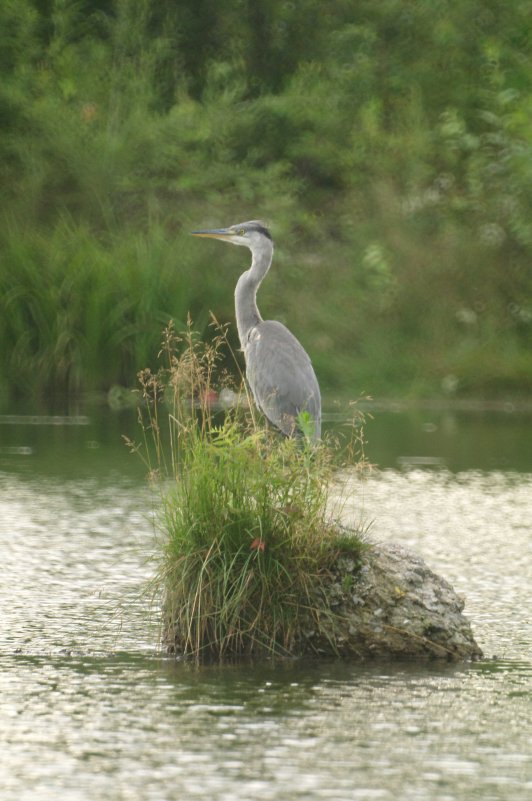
241 232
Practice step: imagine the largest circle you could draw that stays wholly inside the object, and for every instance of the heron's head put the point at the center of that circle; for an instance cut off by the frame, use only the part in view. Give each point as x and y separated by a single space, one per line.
253 235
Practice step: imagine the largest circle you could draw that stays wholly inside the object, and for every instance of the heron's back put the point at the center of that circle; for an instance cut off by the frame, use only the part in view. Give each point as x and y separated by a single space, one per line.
281 376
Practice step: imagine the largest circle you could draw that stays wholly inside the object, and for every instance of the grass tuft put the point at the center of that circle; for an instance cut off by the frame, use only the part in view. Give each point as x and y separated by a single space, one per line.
248 539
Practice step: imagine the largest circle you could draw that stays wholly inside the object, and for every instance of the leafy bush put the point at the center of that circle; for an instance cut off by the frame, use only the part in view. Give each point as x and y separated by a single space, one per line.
390 148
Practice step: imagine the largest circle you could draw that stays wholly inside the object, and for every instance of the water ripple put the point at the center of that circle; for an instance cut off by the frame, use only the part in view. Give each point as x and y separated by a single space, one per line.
91 710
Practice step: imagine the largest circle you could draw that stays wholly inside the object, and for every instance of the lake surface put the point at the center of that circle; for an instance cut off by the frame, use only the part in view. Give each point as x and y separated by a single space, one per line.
91 709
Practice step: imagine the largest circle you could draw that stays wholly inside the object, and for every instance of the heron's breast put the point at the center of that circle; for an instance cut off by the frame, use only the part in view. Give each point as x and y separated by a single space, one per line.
252 339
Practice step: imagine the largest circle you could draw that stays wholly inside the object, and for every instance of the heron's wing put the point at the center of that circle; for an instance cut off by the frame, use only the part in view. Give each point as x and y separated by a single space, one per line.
281 376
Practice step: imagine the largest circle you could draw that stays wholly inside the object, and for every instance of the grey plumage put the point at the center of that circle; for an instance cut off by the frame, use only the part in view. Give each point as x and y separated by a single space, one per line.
278 368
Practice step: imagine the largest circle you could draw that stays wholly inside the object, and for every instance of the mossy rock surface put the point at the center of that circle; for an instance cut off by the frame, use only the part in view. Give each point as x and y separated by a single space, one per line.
391 606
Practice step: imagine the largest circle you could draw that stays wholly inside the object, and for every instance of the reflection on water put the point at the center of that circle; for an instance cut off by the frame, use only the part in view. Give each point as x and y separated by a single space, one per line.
91 710
142 729
77 554
456 440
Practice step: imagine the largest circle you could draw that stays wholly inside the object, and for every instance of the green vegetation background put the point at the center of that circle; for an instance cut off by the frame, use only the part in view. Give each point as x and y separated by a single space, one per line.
388 144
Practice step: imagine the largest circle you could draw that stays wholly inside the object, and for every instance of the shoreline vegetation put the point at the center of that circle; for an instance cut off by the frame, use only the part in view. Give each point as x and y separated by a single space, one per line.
399 200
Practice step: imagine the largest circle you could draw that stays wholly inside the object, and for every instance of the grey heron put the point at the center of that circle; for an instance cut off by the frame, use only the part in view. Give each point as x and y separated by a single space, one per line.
278 369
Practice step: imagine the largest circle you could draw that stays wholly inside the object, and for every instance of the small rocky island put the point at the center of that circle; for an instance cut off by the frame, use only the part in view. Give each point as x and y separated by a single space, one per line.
391 605
383 602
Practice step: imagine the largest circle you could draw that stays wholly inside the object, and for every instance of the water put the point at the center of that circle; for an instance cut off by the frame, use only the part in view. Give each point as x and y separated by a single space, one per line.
90 709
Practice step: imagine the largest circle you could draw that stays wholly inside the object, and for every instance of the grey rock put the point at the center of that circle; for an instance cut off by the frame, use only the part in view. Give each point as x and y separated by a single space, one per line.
395 607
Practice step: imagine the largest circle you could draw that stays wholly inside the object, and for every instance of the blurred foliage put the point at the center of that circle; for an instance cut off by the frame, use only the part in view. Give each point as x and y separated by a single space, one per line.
388 144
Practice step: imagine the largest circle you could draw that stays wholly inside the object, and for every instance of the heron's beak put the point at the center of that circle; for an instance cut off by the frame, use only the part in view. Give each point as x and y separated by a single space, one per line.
215 233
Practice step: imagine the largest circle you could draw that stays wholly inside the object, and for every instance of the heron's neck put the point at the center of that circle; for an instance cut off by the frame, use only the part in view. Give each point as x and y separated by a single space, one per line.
247 313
